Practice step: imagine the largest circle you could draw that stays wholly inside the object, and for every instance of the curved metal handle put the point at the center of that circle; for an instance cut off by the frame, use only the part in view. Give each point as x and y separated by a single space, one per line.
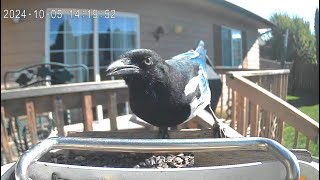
287 158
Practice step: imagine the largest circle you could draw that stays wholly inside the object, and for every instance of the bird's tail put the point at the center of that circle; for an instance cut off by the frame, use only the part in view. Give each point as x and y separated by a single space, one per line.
200 49
202 55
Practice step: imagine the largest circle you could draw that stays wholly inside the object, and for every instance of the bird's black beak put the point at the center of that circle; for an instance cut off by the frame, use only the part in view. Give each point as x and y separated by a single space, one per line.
122 67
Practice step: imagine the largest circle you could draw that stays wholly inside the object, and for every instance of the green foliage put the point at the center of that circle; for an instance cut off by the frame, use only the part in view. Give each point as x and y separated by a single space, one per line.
301 43
316 31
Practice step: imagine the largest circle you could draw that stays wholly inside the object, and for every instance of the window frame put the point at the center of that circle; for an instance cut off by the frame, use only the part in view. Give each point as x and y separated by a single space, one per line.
232 57
96 66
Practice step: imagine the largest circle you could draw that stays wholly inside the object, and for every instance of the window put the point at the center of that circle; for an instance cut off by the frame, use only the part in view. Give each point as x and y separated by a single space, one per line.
76 40
231 47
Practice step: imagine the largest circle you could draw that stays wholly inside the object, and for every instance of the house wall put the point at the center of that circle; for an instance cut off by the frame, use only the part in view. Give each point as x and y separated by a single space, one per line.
23 43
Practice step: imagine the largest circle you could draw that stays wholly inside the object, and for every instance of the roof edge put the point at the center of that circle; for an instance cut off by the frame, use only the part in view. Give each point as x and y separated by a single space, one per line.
241 10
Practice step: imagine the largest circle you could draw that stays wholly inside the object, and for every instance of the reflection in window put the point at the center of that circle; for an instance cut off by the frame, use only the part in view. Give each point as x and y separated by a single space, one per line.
115 37
231 47
71 40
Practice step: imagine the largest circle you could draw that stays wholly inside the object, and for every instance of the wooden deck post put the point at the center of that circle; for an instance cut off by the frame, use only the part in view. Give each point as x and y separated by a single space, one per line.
32 125
112 110
4 138
87 112
58 115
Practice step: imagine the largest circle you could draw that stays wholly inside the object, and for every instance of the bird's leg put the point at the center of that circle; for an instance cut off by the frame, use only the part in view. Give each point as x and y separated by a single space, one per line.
218 131
163 133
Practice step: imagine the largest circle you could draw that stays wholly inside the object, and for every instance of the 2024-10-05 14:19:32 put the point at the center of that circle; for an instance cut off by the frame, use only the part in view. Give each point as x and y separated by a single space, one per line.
58 13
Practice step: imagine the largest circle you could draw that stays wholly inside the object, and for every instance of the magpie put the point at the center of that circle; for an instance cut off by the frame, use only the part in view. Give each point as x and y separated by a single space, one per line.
166 93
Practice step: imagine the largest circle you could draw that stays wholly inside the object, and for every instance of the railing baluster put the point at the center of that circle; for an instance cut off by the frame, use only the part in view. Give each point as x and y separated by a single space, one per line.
4 138
58 115
31 118
296 138
240 112
307 143
254 120
112 110
268 124
280 131
234 110
87 112
221 97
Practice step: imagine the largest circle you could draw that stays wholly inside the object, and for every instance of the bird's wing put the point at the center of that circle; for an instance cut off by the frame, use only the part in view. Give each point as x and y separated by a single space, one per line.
187 63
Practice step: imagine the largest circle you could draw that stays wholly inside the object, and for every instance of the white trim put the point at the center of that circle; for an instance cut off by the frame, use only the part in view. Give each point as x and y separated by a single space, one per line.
96 64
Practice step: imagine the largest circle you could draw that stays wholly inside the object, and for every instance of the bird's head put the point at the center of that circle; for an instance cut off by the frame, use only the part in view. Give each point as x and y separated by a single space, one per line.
135 62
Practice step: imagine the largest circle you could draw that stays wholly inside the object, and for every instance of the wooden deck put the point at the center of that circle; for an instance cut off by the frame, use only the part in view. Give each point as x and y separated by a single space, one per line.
253 102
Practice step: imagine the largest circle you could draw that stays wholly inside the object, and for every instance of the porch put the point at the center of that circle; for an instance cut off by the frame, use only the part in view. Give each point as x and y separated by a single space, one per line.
252 103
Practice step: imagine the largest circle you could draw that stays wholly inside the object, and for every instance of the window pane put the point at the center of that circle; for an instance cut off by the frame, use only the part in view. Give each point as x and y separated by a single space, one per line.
56 24
86 24
57 57
131 25
236 47
72 42
118 24
118 40
91 75
104 58
104 25
87 41
72 58
130 41
73 25
56 41
104 40
103 75
116 54
87 58
226 47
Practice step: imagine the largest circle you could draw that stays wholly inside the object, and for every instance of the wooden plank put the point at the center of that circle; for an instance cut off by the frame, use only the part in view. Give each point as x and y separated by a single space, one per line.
229 105
267 122
58 111
261 73
31 117
240 111
87 112
221 98
4 138
254 120
307 143
233 109
295 140
274 104
112 110
243 124
278 92
245 117
62 89
280 131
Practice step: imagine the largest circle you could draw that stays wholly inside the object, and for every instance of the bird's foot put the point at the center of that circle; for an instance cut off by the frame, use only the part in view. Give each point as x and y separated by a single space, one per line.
218 131
163 133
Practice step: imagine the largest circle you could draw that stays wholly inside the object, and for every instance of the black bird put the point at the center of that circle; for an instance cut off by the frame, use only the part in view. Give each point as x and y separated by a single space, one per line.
166 93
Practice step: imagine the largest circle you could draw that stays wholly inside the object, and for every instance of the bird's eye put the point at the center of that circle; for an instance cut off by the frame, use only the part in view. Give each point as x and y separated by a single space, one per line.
148 61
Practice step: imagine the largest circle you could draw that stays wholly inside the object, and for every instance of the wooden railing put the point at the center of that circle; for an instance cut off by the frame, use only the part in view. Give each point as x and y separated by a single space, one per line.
223 109
32 101
253 110
258 106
